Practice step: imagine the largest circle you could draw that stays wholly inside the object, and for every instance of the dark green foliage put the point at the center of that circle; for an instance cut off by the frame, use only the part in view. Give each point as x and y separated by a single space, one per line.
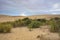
34 24
38 19
26 21
41 20
4 27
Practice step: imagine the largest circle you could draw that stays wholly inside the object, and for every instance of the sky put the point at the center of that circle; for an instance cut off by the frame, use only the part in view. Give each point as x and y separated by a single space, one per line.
29 7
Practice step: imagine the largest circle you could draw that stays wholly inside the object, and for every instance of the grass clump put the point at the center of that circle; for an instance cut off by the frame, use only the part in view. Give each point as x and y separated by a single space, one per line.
18 23
5 28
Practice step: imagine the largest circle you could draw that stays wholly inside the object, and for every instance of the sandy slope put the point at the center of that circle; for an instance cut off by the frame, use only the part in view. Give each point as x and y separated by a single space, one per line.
24 34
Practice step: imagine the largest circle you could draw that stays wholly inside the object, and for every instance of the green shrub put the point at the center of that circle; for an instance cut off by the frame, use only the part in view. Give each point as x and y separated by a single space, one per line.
5 27
55 25
43 21
26 21
34 24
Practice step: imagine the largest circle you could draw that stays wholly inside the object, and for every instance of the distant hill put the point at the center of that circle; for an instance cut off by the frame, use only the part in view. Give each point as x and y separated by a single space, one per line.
43 16
4 18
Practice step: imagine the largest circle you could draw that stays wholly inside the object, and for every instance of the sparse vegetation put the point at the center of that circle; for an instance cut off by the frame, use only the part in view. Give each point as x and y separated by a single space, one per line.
36 23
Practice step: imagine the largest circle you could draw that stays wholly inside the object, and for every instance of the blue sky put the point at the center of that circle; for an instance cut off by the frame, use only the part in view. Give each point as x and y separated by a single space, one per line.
29 7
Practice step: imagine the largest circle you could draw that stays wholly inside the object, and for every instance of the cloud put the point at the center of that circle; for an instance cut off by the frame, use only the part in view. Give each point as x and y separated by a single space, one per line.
54 13
24 7
23 14
54 10
55 6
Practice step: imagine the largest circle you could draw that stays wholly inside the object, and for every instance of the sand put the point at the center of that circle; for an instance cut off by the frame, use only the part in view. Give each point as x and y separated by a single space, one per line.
23 33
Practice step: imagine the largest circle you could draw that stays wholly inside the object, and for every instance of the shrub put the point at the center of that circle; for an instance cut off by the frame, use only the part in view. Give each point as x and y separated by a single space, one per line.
26 21
17 23
56 18
4 27
34 24
55 25
43 21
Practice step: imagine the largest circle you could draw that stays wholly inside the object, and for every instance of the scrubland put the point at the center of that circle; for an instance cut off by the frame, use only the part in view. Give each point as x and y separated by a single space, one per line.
30 29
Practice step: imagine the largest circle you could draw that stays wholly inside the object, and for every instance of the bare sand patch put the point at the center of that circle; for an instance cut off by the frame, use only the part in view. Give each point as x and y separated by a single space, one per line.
24 34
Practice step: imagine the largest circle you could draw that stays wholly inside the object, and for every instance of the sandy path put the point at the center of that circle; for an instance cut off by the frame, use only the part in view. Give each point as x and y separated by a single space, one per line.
23 34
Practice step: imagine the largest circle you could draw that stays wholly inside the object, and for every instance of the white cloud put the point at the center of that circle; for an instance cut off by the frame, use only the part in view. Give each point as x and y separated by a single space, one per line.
54 13
23 14
54 10
55 6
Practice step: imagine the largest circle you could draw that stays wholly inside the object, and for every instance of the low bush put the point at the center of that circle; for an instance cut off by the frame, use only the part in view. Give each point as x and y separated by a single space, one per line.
55 25
26 21
34 24
43 21
4 27
18 23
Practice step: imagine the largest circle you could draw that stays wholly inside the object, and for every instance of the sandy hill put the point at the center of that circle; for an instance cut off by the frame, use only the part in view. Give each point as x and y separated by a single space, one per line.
43 16
4 18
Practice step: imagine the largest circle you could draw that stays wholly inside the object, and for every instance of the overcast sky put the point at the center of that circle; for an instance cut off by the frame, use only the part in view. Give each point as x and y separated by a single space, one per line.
29 7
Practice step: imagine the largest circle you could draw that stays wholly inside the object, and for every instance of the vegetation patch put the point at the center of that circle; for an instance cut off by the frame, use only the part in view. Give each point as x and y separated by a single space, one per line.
55 25
5 28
